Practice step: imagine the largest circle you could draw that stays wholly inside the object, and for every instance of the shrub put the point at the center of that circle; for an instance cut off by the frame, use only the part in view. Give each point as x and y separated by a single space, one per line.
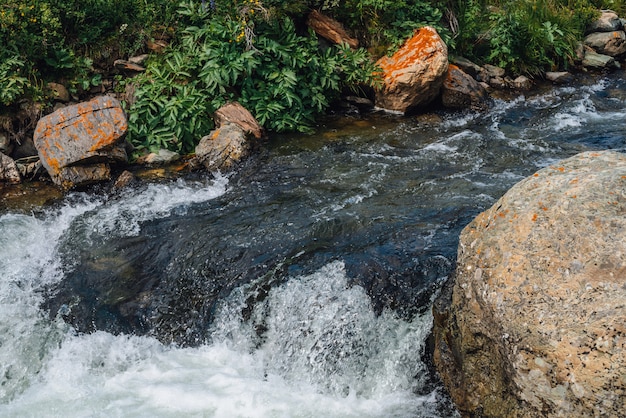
280 76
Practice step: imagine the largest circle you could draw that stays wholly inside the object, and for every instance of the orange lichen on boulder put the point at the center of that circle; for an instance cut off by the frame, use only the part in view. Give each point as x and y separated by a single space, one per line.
413 76
82 133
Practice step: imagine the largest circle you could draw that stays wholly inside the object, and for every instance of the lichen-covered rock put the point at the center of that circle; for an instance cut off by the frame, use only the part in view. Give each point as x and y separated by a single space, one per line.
460 91
413 76
74 142
535 323
222 148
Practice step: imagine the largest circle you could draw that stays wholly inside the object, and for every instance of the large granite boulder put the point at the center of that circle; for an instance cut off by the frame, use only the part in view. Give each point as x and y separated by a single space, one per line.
413 76
77 143
534 322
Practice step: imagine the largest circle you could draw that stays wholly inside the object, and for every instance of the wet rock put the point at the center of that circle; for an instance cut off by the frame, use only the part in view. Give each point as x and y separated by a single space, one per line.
460 91
413 76
8 170
608 43
77 143
329 29
223 147
534 324
598 61
521 83
124 180
162 156
607 22
559 77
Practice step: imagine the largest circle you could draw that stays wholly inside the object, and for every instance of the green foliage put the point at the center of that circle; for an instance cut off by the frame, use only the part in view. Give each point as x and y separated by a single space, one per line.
523 36
387 23
283 78
12 84
58 39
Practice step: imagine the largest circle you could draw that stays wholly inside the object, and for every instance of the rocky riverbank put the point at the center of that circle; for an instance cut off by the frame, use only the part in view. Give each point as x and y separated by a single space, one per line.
419 77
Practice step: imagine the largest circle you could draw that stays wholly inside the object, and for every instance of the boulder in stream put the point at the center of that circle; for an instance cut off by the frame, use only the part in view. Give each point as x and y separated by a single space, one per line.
77 143
230 141
534 322
413 76
461 91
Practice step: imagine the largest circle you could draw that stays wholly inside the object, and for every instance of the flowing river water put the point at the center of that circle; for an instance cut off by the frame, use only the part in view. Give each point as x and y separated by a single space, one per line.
299 285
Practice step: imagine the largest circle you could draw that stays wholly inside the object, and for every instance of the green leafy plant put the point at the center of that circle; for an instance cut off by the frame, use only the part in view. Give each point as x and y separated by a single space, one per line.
282 77
12 84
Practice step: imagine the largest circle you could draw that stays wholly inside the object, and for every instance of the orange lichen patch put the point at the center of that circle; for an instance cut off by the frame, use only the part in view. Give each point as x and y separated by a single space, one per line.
574 181
536 175
420 46
573 196
534 217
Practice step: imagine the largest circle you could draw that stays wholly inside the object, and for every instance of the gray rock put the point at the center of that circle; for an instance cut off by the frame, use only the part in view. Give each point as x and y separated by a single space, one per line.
534 322
494 71
607 43
466 65
521 83
598 61
222 148
8 170
608 22
559 77
162 156
460 91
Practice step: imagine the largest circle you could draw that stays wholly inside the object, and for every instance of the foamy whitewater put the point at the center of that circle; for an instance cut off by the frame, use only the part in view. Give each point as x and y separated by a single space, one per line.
325 352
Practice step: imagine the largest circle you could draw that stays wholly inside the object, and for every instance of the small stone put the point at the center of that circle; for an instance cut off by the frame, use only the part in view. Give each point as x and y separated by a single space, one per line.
59 92
521 83
561 77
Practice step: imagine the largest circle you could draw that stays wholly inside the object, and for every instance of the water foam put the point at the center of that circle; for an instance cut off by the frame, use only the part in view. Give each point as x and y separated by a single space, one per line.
324 353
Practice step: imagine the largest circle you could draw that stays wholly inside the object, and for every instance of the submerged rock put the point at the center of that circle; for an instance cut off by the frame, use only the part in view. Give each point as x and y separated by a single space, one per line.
413 76
534 324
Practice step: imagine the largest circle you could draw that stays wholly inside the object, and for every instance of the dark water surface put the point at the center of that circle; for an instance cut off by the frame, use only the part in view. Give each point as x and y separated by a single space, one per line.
299 285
